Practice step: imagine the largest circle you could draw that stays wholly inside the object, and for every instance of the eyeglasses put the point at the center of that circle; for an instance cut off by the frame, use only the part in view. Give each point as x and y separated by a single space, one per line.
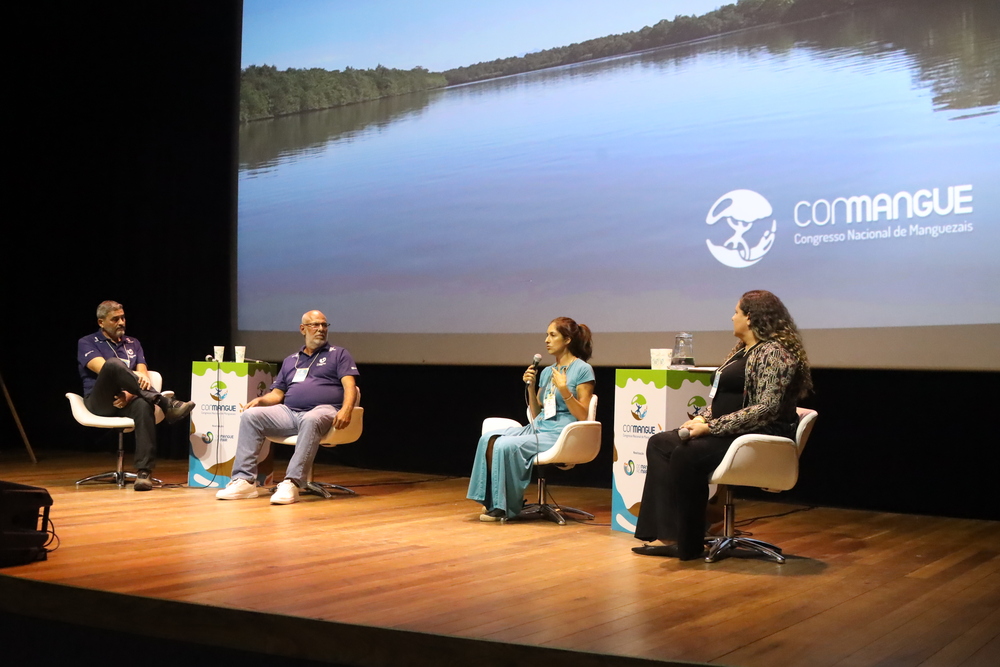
318 325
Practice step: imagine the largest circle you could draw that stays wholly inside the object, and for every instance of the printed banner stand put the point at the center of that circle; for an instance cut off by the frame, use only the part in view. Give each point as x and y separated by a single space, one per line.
647 402
220 392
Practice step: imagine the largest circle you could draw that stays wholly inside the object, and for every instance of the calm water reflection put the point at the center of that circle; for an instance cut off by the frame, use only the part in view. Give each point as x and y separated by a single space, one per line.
581 183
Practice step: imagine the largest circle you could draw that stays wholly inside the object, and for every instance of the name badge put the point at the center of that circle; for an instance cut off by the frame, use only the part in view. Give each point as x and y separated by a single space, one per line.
715 384
300 375
550 404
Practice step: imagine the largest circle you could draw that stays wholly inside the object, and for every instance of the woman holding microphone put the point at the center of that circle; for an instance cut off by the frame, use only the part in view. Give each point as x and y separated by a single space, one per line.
502 468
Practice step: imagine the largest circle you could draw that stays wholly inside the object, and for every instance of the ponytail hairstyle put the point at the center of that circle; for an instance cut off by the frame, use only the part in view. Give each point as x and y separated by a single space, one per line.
580 341
770 320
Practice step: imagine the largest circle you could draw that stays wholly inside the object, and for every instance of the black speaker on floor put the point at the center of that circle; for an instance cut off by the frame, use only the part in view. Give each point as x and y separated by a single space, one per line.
24 523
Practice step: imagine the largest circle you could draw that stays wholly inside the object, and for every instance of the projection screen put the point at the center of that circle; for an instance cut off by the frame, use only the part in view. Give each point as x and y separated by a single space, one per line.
847 163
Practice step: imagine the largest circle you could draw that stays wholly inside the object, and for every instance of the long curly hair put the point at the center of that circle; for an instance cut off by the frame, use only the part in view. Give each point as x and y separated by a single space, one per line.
581 342
770 320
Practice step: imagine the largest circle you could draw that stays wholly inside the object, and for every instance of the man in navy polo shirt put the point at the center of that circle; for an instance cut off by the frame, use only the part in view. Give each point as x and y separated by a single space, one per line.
315 389
116 384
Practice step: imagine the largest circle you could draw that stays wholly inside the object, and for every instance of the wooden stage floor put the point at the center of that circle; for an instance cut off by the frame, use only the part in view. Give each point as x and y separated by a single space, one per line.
406 574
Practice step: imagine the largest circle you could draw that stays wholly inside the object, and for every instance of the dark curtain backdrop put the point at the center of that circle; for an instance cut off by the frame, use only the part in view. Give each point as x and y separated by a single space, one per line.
123 187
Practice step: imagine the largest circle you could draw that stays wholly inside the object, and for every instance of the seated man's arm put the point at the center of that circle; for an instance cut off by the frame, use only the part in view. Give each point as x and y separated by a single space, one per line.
343 417
123 398
141 372
273 397
96 364
142 375
89 355
87 352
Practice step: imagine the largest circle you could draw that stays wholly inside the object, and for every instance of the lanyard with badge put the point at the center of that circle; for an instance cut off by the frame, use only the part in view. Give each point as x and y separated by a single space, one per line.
301 373
128 358
718 372
549 405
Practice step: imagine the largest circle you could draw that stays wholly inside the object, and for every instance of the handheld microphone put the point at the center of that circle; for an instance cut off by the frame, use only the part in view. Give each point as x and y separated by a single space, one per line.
683 434
536 360
209 357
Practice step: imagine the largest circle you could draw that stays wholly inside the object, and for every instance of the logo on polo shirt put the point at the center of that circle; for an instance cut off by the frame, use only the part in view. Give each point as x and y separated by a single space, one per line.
321 362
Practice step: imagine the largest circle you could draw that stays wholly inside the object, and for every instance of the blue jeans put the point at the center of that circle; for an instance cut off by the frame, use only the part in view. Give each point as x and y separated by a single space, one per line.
280 421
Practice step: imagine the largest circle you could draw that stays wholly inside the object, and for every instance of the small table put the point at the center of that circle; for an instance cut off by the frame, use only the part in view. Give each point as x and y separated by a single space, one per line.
220 390
647 402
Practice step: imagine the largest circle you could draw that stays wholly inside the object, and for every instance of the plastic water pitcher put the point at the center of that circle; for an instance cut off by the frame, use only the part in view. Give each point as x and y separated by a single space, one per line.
683 350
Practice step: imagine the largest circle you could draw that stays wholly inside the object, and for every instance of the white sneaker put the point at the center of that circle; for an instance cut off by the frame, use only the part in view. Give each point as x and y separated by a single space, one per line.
237 489
286 493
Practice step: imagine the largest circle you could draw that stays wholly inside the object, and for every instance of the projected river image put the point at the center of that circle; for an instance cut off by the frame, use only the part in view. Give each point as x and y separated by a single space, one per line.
849 164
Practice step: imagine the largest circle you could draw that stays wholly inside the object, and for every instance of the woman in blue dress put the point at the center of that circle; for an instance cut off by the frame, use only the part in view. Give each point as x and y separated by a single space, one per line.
502 469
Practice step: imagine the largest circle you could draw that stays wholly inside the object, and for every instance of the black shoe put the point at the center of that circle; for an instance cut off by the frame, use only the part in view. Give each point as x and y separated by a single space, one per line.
143 482
177 410
495 514
666 551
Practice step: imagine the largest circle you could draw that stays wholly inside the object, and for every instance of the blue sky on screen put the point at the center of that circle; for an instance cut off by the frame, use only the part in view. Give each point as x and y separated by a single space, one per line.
438 35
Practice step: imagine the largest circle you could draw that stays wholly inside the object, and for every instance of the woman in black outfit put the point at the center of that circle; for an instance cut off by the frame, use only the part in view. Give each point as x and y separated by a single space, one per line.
754 391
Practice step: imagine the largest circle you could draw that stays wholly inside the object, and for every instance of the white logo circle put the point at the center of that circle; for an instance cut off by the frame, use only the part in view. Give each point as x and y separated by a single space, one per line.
741 209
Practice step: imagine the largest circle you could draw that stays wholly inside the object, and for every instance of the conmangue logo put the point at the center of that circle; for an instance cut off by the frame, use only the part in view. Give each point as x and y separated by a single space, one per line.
218 390
955 200
742 209
639 407
742 245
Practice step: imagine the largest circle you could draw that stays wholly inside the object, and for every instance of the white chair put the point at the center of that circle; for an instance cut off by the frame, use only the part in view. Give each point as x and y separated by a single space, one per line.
766 461
579 442
332 438
122 425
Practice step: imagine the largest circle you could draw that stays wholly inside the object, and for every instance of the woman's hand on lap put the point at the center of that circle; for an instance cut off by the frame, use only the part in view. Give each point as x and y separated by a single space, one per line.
697 428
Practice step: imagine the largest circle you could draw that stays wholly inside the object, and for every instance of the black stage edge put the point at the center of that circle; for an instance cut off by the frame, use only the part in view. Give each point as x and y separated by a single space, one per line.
53 621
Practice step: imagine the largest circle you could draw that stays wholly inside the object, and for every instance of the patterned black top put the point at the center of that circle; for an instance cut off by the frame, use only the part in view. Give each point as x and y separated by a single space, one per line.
732 383
772 386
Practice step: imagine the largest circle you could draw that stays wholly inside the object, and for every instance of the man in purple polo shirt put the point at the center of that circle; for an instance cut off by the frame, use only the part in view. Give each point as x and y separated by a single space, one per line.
116 384
315 389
